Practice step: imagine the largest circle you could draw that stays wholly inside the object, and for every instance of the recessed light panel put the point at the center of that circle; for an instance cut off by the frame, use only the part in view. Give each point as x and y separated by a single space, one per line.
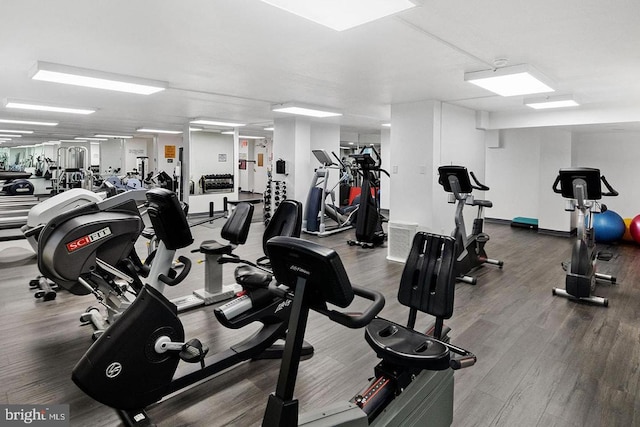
510 81
342 14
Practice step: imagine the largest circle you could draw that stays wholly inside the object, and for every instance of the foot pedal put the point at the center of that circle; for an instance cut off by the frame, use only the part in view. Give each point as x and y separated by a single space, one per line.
604 256
194 351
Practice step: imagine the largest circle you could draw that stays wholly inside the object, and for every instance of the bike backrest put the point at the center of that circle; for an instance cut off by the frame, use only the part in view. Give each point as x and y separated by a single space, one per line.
428 278
168 218
236 228
286 221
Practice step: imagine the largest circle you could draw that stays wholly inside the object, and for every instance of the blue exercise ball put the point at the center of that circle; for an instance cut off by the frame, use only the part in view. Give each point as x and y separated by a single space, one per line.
608 226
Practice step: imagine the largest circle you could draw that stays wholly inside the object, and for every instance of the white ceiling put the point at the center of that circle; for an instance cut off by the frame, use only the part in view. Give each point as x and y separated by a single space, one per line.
232 59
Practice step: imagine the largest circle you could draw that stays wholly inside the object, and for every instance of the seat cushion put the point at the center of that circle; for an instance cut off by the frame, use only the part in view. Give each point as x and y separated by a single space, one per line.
405 347
213 247
251 278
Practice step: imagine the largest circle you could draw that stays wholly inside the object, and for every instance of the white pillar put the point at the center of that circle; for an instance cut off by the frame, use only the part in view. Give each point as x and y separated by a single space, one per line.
292 143
414 150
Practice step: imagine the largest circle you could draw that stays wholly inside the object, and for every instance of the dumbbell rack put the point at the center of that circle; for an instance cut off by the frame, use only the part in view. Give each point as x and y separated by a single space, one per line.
275 193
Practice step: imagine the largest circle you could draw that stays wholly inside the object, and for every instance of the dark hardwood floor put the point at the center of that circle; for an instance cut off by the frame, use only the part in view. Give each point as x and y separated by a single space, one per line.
542 360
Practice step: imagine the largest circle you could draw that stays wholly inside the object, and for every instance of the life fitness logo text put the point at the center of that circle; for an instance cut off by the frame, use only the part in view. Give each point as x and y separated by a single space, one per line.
89 238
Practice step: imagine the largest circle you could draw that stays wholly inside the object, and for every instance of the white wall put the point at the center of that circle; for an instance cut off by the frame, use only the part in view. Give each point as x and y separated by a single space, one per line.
512 174
521 173
555 153
112 156
205 150
134 148
616 155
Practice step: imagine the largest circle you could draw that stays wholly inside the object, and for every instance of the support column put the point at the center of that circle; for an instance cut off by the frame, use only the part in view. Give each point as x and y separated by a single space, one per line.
292 143
414 151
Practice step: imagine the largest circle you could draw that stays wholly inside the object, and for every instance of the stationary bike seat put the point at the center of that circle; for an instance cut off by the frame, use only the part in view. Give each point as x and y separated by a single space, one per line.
213 247
251 277
405 347
483 203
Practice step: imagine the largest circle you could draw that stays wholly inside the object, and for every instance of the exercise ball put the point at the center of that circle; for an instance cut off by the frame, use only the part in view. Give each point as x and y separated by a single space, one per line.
608 226
627 232
634 228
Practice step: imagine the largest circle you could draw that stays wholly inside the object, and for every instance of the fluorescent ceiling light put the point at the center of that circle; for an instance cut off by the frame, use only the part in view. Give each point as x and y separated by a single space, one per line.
195 129
28 122
15 131
72 140
114 136
91 139
173 132
386 125
8 135
551 102
5 139
211 122
230 132
27 106
57 73
509 81
304 110
270 128
341 14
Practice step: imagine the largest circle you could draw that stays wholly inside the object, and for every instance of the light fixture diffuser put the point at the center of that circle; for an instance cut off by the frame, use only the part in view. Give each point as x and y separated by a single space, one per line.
342 14
304 110
386 125
90 138
545 102
28 122
149 130
15 131
510 81
9 103
114 136
64 74
213 122
271 128
9 135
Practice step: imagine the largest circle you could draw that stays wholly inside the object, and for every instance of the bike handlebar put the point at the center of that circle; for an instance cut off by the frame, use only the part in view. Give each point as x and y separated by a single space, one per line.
180 277
357 320
479 186
611 191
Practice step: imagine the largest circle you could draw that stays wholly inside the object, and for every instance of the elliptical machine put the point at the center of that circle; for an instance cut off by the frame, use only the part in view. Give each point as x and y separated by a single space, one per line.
582 187
471 254
369 232
317 207
413 384
135 362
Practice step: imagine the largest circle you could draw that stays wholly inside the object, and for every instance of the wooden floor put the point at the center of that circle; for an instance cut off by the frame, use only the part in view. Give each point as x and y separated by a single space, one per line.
542 360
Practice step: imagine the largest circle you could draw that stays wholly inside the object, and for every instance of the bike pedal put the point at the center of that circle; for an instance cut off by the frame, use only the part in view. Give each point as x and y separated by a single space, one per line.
194 351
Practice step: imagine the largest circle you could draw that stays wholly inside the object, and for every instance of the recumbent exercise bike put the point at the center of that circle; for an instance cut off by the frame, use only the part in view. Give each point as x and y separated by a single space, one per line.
413 384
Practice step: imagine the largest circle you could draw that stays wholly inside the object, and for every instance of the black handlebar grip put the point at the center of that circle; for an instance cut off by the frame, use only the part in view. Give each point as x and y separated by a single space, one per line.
555 185
462 362
479 186
611 191
180 277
